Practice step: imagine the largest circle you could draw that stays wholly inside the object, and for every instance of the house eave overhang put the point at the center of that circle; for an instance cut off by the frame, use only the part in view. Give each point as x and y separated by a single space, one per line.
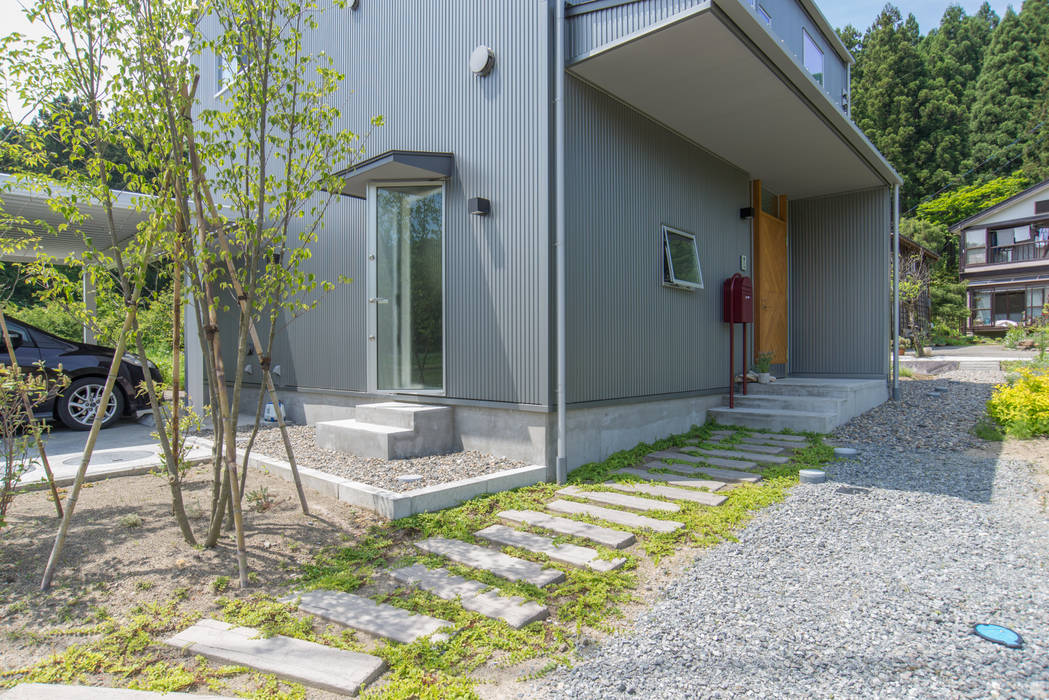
394 166
715 75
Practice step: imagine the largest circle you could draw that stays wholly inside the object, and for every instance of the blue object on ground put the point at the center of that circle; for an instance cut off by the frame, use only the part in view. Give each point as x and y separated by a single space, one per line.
999 635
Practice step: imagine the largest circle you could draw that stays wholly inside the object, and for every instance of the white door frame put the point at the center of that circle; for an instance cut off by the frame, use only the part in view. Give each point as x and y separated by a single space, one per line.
373 324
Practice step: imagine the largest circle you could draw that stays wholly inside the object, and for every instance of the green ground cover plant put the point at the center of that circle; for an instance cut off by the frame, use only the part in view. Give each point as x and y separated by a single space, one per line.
131 653
1021 405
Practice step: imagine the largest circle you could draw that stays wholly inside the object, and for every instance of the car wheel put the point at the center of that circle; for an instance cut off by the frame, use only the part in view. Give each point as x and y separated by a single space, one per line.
79 403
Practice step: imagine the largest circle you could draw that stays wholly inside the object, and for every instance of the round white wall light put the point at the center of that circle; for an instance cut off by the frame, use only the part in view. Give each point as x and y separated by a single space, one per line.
482 61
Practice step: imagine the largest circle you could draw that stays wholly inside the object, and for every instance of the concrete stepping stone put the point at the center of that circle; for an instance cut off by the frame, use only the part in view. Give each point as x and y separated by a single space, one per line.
566 553
727 475
751 456
53 691
309 663
706 459
674 479
618 499
366 615
502 565
774 442
609 537
619 517
702 497
472 595
752 447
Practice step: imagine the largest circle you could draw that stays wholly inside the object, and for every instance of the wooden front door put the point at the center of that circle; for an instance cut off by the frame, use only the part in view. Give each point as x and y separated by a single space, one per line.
770 274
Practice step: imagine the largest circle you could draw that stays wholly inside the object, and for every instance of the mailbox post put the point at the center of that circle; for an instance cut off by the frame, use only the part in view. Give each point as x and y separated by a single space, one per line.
738 297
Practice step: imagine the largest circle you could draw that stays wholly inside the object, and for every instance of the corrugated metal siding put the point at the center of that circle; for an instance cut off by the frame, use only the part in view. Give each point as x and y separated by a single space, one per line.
591 30
628 334
839 284
408 61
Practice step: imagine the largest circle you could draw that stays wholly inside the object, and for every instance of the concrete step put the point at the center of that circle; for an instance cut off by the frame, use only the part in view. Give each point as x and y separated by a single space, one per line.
619 517
707 459
609 537
727 475
805 386
785 445
497 563
309 663
618 499
702 497
762 419
391 430
748 446
566 553
472 595
740 453
366 615
675 480
790 402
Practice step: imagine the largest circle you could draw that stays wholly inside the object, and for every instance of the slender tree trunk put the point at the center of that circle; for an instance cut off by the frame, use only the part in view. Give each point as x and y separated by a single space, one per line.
34 425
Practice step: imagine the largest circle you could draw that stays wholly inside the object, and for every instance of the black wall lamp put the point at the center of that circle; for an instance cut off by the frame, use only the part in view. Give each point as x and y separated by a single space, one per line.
479 206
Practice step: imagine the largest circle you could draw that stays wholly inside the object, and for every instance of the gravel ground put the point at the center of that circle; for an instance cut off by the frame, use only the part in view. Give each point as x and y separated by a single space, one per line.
931 414
870 594
439 469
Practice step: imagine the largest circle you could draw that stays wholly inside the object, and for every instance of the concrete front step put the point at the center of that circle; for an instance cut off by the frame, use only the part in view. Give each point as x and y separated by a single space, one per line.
740 453
841 388
763 419
497 563
609 537
53 691
693 459
472 595
618 499
366 615
727 475
309 663
391 430
702 497
790 402
675 480
566 553
619 517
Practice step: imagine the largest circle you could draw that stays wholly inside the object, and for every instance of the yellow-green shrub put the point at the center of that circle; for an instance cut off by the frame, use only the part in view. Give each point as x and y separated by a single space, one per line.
1022 405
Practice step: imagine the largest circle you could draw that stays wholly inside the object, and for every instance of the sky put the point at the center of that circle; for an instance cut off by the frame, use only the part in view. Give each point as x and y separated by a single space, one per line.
861 13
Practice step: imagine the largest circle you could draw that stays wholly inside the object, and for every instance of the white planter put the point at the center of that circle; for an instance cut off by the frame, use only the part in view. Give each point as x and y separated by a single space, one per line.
764 377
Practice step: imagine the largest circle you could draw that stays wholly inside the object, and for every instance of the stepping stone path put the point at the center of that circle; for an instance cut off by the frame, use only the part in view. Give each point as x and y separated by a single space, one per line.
752 456
609 537
472 595
675 480
799 439
566 553
502 565
719 474
751 447
376 619
618 499
309 663
701 497
619 517
713 461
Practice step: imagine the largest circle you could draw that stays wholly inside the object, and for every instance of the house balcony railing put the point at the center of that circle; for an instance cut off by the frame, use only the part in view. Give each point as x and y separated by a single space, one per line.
1019 252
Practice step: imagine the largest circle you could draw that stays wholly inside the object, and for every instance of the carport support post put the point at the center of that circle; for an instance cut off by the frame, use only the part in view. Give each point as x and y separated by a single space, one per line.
895 292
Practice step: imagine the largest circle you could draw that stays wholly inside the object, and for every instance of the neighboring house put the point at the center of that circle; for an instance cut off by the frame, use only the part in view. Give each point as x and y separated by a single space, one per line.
702 139
1004 260
911 250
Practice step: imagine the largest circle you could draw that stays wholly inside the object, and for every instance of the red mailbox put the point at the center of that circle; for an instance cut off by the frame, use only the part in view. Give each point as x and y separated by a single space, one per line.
738 295
739 299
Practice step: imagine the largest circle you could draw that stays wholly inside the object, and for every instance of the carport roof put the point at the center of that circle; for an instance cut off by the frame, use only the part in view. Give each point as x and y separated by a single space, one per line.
21 199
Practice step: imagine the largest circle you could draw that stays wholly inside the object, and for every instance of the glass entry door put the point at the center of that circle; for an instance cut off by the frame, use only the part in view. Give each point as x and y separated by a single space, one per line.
406 288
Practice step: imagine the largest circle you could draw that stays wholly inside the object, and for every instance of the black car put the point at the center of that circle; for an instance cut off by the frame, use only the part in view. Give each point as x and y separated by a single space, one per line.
87 366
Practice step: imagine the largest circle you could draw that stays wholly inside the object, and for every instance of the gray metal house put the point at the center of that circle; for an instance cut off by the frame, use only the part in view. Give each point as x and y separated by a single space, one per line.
639 151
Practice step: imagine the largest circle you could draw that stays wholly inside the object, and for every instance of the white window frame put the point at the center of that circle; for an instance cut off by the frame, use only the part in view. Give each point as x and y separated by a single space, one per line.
809 40
668 260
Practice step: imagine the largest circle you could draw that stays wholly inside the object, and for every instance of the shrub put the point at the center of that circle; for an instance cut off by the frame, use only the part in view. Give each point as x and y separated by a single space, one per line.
1021 406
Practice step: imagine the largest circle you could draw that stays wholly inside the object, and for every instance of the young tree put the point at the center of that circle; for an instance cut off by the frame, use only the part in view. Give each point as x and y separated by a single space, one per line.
914 289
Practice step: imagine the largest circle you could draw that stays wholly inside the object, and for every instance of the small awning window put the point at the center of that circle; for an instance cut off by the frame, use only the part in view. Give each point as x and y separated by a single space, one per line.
392 166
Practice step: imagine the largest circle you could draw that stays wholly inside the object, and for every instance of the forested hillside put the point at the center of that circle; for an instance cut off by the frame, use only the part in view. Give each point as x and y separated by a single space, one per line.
962 113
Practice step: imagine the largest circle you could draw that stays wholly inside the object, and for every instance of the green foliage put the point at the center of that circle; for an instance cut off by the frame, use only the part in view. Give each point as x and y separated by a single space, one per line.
933 235
1021 405
987 429
763 362
951 207
1014 336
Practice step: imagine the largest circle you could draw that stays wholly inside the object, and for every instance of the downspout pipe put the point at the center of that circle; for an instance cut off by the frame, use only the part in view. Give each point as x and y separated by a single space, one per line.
559 224
895 292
